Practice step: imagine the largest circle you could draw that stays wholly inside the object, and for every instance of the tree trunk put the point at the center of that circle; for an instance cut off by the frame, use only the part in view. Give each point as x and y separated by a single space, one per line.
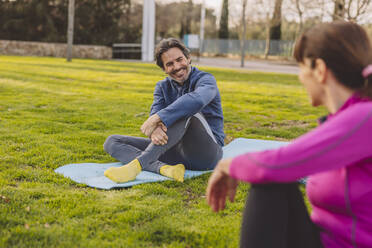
70 28
339 10
188 17
242 40
276 21
202 22
275 27
224 21
300 24
267 43
223 33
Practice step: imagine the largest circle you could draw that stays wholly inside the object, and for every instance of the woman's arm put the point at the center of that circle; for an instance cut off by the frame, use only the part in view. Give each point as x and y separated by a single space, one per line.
341 141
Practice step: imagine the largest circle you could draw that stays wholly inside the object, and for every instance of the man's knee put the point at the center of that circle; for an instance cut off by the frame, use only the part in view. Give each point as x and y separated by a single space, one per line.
110 142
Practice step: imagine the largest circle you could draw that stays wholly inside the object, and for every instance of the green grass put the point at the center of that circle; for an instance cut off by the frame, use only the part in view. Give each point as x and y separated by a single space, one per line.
54 113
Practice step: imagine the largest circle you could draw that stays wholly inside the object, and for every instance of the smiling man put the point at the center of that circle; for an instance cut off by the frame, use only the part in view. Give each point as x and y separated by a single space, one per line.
185 127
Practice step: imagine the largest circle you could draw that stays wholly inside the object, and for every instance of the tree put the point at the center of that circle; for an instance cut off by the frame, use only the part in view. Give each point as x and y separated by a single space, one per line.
223 32
70 28
98 22
276 21
275 31
169 23
351 10
33 20
186 20
300 7
242 39
338 10
189 17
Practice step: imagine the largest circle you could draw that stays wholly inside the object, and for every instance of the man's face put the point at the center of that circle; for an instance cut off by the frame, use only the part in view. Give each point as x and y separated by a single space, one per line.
176 65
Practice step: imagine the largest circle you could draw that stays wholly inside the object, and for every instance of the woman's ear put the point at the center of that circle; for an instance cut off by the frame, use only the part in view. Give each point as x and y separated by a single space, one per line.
320 71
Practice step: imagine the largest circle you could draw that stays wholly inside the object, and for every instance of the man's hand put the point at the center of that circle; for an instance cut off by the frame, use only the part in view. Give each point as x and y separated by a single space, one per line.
159 136
150 124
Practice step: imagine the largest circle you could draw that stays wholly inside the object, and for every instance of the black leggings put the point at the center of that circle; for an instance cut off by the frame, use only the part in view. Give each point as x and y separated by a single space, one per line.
275 216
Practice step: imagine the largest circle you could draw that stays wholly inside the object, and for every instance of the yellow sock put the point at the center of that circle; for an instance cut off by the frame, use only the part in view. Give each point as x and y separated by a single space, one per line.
177 172
124 173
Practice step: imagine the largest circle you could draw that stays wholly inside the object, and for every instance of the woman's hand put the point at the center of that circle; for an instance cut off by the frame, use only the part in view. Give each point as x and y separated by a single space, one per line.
220 186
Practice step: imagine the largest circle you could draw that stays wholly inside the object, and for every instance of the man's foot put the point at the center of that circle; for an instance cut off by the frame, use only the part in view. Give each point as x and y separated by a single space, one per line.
177 172
124 173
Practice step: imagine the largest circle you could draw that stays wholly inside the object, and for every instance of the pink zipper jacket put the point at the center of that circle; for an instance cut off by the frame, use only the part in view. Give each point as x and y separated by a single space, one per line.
337 158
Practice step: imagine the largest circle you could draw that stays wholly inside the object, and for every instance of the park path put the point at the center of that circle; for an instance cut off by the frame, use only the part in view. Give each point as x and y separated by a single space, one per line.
252 65
275 66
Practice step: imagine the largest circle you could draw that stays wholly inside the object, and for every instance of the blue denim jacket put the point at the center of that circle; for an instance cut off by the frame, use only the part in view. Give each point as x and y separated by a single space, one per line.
199 93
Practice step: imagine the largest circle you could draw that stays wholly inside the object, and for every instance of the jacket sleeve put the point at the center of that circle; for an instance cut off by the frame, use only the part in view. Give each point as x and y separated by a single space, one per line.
192 102
159 101
342 141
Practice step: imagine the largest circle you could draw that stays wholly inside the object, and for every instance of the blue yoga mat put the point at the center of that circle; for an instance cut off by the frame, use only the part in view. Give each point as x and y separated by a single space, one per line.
91 174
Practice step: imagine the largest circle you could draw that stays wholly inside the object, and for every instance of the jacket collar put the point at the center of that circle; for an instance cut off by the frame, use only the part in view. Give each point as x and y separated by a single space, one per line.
355 98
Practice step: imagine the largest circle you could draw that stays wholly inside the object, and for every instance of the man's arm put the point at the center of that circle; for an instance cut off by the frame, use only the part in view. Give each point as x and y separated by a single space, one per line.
153 121
190 103
150 124
159 101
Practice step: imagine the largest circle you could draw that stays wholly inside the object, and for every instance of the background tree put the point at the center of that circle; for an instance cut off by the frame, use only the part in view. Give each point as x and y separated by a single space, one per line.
96 21
356 9
169 22
338 10
276 21
300 7
99 17
223 32
243 36
275 32
70 28
31 20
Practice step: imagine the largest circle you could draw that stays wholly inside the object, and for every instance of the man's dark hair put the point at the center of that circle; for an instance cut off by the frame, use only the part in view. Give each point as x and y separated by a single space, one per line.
166 44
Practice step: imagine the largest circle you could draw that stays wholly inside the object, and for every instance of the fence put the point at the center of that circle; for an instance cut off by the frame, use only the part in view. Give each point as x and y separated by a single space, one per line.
253 47
215 46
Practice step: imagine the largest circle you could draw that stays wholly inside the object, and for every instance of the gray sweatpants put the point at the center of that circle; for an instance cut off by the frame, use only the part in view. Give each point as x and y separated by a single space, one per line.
190 142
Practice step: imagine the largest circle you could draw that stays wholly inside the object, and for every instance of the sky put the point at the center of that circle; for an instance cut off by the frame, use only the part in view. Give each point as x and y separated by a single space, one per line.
214 4
289 11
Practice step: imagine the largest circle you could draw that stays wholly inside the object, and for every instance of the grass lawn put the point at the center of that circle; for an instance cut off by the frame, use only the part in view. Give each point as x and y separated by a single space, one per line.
54 113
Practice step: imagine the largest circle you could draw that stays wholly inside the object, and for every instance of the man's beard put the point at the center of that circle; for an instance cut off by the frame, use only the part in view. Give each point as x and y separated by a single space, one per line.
188 71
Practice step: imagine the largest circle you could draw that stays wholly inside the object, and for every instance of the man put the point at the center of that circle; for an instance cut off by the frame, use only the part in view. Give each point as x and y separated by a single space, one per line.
185 127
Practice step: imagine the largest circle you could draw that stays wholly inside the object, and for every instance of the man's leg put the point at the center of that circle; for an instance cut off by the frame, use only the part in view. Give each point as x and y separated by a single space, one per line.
125 148
157 158
275 215
148 158
198 147
190 142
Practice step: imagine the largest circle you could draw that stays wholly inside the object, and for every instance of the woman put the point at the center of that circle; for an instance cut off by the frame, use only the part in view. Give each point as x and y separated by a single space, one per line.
335 62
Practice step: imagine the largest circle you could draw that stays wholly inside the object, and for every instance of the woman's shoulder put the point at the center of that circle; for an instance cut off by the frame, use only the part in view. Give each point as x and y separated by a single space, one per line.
359 107
360 112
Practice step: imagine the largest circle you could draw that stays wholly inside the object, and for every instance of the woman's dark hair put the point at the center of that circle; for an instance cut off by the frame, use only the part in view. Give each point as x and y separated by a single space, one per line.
344 47
165 45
